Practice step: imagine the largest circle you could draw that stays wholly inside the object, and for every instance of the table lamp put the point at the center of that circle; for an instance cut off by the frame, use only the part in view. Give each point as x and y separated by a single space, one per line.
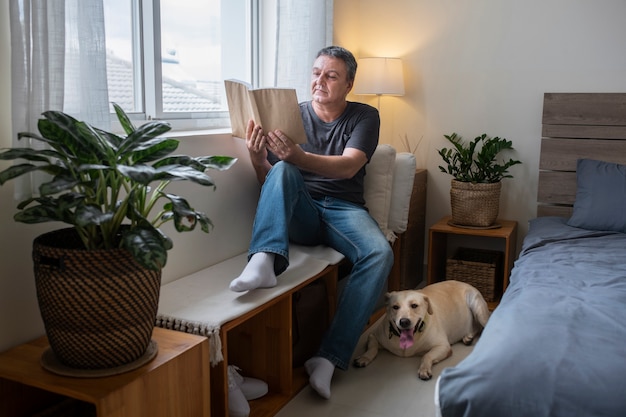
379 76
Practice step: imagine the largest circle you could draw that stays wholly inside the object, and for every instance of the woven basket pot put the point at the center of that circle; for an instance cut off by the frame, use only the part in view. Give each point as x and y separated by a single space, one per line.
98 306
475 204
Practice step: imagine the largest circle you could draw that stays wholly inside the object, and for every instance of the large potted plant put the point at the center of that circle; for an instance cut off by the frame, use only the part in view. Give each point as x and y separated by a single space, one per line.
477 175
98 280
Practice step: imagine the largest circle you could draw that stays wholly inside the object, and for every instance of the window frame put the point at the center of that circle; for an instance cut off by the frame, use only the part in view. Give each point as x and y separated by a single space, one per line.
147 70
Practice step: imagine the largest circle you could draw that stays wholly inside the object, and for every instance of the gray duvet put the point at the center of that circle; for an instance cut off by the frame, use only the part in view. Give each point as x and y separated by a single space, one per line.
556 344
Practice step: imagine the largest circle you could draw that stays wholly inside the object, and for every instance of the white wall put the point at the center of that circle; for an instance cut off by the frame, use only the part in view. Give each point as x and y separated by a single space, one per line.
472 66
482 66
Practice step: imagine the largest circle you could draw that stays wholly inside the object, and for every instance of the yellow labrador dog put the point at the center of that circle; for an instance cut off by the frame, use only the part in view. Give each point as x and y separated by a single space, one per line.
427 322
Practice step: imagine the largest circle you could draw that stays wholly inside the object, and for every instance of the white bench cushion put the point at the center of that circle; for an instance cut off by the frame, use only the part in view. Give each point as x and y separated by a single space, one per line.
377 186
401 190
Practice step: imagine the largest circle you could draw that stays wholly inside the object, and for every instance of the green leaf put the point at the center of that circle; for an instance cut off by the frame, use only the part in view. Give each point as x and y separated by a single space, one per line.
98 145
21 169
57 185
143 174
92 167
205 223
63 135
180 160
49 209
167 216
220 163
176 173
87 215
113 141
35 155
167 242
185 217
154 149
67 201
127 125
141 135
34 136
37 214
147 247
16 171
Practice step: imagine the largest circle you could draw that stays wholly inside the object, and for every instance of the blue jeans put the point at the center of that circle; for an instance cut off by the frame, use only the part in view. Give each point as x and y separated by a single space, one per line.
286 212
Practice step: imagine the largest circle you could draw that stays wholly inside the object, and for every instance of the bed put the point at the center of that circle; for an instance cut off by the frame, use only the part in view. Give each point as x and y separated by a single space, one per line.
556 344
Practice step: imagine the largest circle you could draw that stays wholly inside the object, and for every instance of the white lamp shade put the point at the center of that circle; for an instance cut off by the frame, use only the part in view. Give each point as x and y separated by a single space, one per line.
379 76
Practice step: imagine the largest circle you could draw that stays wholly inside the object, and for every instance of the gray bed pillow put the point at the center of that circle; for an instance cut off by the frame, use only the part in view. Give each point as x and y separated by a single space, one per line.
600 197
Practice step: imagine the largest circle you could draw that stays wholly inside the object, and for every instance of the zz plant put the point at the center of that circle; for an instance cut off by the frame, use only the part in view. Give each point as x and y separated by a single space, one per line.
476 161
106 186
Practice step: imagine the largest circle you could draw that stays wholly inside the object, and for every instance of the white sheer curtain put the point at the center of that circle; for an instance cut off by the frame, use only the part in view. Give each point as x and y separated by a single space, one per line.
304 27
58 62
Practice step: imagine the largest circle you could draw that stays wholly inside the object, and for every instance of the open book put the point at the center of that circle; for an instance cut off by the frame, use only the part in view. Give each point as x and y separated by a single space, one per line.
272 108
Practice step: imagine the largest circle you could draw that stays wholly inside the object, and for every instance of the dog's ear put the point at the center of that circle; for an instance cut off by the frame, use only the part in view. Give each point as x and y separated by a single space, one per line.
429 308
388 296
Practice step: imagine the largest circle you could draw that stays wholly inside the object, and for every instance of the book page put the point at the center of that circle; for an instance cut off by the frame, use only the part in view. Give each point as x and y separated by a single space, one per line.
278 109
239 107
272 108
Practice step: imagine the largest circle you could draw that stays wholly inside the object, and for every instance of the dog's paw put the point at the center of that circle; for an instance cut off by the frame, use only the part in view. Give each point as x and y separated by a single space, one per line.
425 374
467 340
361 362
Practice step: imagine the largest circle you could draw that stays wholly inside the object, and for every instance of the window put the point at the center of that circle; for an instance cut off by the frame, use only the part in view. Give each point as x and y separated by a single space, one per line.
167 59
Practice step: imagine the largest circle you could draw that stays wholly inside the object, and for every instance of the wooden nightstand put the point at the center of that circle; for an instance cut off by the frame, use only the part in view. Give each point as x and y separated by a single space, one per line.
174 384
438 247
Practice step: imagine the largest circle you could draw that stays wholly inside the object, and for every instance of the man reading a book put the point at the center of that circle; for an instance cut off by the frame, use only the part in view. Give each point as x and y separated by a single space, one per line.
313 194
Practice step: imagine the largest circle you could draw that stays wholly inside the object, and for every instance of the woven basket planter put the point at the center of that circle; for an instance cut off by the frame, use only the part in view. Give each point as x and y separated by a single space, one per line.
475 204
98 306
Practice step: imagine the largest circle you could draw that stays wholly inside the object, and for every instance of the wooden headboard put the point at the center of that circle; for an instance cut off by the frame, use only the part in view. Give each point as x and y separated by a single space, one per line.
576 125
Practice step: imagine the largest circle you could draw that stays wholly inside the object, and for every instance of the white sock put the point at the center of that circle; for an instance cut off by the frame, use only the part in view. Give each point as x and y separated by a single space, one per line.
320 372
258 273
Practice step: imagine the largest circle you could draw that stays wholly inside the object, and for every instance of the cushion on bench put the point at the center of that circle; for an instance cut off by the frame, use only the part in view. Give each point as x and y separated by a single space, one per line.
402 187
377 186
388 186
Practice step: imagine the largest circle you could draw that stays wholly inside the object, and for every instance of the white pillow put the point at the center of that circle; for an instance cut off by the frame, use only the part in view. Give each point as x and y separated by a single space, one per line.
378 184
403 178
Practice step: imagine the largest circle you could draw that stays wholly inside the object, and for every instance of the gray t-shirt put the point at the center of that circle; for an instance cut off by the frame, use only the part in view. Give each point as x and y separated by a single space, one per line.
358 127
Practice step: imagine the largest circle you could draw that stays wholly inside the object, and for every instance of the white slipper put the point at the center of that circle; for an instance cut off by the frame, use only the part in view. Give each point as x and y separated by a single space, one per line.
252 388
237 404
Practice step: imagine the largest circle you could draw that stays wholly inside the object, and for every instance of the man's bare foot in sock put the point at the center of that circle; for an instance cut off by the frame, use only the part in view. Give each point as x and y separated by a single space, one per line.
258 273
320 372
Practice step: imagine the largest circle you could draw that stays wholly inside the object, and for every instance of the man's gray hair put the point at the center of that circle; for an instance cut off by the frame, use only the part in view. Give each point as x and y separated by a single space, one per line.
343 54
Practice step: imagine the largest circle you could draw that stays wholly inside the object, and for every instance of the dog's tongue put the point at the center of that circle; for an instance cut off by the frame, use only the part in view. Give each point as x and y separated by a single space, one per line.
406 338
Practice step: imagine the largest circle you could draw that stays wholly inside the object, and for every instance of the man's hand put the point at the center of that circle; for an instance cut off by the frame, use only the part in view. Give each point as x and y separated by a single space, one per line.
256 142
341 166
283 147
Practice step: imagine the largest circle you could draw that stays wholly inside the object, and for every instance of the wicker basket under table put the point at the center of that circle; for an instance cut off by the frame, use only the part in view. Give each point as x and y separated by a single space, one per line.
478 267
